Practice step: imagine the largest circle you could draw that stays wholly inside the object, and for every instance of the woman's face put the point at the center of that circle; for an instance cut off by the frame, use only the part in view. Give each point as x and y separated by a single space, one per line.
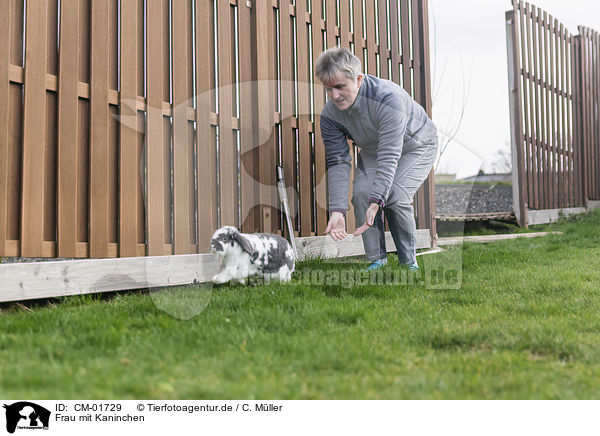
342 90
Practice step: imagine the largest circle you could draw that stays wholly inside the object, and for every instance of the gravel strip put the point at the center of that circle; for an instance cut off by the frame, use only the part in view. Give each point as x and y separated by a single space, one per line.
466 199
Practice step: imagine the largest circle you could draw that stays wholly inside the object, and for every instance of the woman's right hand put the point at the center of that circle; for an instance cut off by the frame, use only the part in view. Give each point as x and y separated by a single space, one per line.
336 228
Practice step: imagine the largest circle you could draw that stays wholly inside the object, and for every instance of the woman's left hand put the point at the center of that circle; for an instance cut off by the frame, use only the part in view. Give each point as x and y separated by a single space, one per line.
370 219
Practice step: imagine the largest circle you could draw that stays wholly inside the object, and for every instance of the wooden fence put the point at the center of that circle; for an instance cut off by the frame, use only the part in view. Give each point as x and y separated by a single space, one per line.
555 122
589 122
137 127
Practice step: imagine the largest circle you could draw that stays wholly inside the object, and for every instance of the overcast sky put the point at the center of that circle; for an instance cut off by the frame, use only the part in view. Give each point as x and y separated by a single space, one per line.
468 55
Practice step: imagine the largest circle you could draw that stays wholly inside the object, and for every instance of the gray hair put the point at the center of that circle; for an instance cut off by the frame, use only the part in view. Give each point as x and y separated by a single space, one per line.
337 60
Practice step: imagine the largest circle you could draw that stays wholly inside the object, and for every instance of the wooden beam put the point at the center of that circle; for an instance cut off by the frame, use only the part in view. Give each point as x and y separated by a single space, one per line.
483 239
27 281
324 246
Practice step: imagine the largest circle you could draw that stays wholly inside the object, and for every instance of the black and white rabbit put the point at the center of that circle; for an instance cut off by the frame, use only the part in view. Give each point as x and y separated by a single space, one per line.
245 255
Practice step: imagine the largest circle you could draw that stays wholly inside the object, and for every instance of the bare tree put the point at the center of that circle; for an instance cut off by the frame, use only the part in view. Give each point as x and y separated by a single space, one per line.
502 162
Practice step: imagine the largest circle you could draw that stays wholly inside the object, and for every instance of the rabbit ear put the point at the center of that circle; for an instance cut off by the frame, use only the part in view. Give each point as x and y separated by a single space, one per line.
244 243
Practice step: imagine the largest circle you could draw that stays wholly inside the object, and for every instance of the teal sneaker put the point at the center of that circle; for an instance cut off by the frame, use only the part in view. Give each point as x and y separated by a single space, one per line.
414 266
377 264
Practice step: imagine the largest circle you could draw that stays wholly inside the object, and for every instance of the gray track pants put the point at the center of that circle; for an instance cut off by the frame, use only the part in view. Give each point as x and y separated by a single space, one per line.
413 168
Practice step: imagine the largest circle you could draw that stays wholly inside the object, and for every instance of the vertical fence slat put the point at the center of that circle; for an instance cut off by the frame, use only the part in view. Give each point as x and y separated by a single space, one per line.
571 124
359 41
304 149
330 22
14 156
564 101
539 50
68 129
50 170
590 109
99 139
15 13
563 106
555 93
52 38
580 80
427 211
83 132
539 186
596 73
275 214
529 200
286 47
34 131
595 109
264 121
395 53
371 60
15 170
405 39
532 42
113 130
418 95
181 147
155 187
5 28
590 105
344 23
249 159
596 97
359 46
206 149
130 177
547 104
587 109
557 113
227 146
383 39
190 131
544 105
579 118
319 101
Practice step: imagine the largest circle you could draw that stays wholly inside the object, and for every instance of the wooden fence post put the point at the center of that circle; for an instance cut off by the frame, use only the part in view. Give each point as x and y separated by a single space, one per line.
427 199
579 120
514 86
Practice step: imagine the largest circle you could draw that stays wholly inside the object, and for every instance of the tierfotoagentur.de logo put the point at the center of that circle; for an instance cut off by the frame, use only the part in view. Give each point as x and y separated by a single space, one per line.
26 416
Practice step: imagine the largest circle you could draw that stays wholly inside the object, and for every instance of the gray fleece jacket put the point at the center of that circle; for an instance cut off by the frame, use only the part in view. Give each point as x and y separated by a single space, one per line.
384 121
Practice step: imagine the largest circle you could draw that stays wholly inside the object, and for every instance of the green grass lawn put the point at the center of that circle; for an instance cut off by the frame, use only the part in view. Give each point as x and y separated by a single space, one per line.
523 324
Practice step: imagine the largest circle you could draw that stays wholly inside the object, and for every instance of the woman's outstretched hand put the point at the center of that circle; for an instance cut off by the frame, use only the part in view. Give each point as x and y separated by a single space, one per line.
370 219
336 228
